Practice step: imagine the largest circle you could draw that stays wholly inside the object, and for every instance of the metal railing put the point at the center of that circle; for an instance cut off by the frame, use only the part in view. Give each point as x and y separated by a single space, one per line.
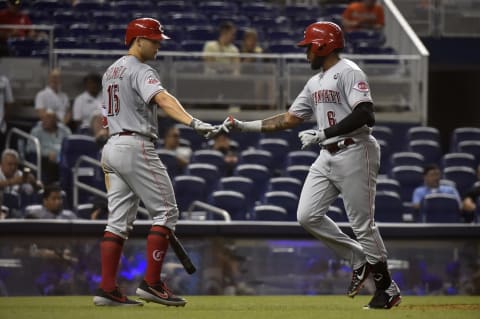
36 167
209 208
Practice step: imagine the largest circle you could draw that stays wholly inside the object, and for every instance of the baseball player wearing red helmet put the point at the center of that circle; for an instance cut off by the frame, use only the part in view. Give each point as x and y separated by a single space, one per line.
339 98
132 92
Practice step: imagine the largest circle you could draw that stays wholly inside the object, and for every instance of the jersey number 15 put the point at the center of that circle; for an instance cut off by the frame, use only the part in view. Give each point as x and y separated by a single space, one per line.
113 100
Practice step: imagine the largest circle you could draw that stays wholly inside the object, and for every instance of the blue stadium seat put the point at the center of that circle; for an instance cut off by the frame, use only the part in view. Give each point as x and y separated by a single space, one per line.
279 149
256 156
407 158
388 185
67 17
287 200
192 45
169 159
300 10
409 177
284 46
68 43
372 38
208 172
110 18
81 29
189 189
202 32
337 214
169 7
13 202
240 22
110 44
217 7
299 172
269 213
458 159
133 6
170 45
91 5
239 184
334 9
84 211
423 133
188 18
388 207
383 132
258 8
286 184
50 5
461 134
430 150
470 147
233 202
385 151
279 34
259 174
245 140
440 208
212 157
463 176
301 158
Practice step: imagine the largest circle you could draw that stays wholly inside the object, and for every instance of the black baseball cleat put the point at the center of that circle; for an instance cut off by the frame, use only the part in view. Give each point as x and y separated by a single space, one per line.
113 298
385 299
159 293
359 276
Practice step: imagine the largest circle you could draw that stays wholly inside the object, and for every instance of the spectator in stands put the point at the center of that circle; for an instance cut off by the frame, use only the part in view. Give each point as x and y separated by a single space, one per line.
222 143
50 134
364 14
12 15
470 201
249 44
171 141
88 103
431 177
6 102
52 205
224 44
52 98
13 180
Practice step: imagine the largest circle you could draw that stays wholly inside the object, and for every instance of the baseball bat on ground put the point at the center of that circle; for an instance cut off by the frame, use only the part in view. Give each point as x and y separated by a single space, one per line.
182 254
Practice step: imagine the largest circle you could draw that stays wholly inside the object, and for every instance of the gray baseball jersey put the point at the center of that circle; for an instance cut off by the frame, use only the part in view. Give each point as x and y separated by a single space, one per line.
351 171
133 170
134 111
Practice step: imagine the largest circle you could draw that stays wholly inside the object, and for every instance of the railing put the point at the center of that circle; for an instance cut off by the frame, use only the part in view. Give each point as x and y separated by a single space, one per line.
210 208
38 167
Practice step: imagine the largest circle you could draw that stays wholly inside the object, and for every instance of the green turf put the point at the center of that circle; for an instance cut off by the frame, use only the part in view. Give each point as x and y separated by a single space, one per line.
252 307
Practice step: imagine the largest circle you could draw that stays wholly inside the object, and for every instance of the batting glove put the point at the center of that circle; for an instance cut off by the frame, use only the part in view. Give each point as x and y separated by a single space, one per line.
232 124
309 137
201 128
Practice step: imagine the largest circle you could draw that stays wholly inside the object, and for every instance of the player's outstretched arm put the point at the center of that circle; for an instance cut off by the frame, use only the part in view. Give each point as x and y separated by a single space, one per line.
275 123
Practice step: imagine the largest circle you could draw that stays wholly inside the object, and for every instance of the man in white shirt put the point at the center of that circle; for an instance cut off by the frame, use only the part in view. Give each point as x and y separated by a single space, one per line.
6 100
88 103
52 98
223 45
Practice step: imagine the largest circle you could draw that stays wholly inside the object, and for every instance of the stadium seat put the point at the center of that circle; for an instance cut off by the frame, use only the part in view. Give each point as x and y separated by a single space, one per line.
212 157
188 18
84 211
256 156
299 172
233 202
50 5
208 172
301 158
284 46
409 177
337 214
67 17
133 6
217 7
461 134
463 176
279 149
169 159
385 151
440 208
430 150
423 133
240 22
259 174
383 132
407 158
13 202
189 189
202 32
245 140
269 213
286 184
370 37
277 34
470 147
260 9
287 200
458 159
388 207
192 45
239 184
190 135
388 185
91 5
174 6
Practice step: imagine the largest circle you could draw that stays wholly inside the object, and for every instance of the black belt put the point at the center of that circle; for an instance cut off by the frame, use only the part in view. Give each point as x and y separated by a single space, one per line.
131 133
333 148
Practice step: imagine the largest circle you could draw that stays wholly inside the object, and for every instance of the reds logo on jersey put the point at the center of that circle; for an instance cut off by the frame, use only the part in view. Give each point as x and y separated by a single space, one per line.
152 81
361 86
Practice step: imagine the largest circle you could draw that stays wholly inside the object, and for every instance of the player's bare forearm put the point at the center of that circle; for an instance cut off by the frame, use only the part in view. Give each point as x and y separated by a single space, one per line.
280 122
172 107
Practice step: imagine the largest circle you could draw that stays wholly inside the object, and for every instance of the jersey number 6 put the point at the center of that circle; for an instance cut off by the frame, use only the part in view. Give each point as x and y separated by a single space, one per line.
331 118
113 100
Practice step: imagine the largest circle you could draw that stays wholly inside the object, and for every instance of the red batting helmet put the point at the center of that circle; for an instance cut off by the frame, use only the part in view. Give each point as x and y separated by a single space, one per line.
324 38
145 28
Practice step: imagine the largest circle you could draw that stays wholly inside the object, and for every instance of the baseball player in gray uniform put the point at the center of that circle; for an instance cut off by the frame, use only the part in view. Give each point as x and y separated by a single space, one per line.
132 92
339 98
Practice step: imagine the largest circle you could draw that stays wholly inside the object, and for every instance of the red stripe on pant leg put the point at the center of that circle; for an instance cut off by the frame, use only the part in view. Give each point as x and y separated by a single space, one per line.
110 251
157 245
